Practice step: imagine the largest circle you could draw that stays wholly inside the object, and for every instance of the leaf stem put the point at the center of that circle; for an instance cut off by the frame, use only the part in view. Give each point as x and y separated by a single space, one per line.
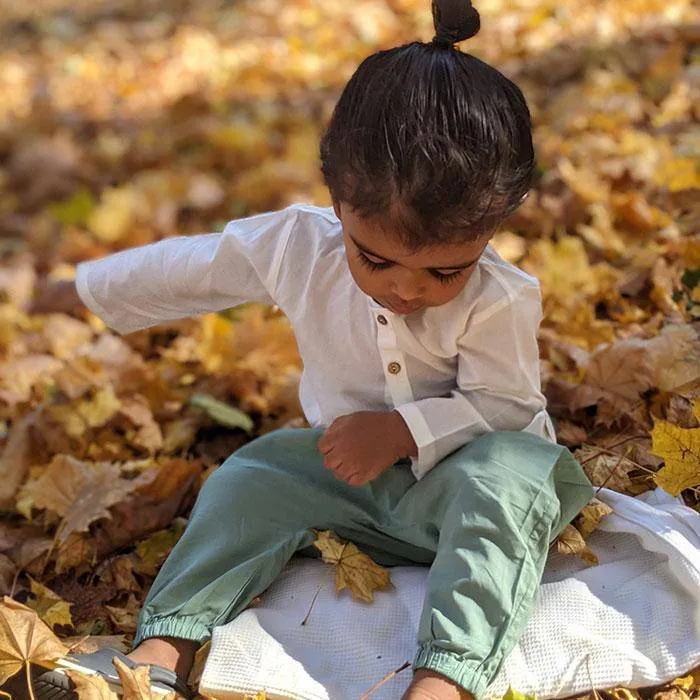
29 680
386 678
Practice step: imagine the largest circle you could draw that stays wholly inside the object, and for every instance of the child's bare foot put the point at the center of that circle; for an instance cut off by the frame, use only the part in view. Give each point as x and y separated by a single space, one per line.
169 652
427 685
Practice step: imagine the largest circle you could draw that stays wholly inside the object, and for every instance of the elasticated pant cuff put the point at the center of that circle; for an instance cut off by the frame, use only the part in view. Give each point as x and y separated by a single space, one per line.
465 673
179 627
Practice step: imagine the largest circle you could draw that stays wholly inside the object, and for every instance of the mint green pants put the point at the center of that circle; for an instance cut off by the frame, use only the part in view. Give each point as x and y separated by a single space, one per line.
482 519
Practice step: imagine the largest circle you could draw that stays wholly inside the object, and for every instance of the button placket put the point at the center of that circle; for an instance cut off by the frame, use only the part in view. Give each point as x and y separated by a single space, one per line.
393 362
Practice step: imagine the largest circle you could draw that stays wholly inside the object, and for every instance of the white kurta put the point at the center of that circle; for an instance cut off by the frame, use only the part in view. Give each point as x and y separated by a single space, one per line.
453 372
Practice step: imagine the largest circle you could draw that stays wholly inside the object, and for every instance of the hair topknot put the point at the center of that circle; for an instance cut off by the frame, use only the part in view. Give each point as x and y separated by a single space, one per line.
454 20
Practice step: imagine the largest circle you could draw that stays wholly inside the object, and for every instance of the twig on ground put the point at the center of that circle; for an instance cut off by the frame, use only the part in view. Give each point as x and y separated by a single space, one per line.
386 678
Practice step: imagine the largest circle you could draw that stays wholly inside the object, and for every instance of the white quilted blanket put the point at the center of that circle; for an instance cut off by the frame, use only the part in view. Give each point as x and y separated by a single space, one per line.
633 620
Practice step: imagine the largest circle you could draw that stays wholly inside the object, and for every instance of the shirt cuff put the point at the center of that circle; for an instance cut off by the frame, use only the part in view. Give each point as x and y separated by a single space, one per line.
422 436
83 289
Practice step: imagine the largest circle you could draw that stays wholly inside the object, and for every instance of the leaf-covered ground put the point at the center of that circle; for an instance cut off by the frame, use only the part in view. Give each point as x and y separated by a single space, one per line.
123 122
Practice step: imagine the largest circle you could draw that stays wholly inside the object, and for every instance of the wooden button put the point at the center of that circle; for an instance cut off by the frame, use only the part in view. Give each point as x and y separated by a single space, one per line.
394 368
382 319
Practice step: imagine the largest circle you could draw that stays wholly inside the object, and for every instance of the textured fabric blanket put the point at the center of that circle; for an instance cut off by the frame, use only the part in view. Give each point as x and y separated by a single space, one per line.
633 620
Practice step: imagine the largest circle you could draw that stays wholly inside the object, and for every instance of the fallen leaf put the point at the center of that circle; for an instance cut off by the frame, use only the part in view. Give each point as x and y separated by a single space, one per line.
92 687
571 542
79 492
152 552
15 458
25 639
125 618
624 694
512 694
51 608
680 450
589 518
222 413
136 683
354 569
137 410
602 469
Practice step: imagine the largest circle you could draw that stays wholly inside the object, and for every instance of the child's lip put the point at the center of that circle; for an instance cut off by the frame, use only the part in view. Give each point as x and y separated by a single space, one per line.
404 308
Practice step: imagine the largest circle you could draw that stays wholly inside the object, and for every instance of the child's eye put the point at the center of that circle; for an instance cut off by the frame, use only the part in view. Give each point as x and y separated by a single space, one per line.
446 277
372 264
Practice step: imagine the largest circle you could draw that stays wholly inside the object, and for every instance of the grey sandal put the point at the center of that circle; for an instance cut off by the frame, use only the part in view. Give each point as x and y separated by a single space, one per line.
55 685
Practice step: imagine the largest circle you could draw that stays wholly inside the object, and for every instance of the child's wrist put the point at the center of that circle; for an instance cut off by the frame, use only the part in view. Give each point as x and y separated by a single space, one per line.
403 439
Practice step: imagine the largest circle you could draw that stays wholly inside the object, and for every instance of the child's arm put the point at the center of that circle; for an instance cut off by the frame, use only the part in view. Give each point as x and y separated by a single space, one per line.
186 276
498 382
498 389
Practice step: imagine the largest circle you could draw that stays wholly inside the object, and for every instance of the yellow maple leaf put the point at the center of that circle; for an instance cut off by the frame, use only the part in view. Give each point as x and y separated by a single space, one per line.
512 694
91 687
589 518
24 640
354 569
51 608
570 541
680 449
136 683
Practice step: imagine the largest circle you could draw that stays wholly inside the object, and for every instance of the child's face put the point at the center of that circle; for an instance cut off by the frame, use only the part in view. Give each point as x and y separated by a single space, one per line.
403 280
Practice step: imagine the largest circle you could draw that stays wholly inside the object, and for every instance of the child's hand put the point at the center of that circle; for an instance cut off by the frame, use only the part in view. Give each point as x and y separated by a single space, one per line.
360 446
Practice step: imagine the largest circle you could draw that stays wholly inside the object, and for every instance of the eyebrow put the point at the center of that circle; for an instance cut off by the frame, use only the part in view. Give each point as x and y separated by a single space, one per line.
461 266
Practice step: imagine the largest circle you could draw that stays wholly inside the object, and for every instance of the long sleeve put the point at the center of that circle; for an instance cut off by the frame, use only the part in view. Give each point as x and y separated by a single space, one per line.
498 383
190 275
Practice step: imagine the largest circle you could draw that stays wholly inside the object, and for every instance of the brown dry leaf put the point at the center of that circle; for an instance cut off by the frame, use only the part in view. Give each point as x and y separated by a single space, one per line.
24 639
8 571
671 693
589 518
19 377
570 434
93 643
570 541
136 683
609 471
680 449
674 357
354 569
51 608
91 687
79 492
125 618
65 335
14 461
620 370
137 410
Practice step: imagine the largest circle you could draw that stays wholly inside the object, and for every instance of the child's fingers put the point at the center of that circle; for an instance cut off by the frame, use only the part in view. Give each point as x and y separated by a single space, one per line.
324 444
332 463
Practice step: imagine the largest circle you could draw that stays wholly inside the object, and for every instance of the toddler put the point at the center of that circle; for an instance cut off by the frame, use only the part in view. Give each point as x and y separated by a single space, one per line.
430 442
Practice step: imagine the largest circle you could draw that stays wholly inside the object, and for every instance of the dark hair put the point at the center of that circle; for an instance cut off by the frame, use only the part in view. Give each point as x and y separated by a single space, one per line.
432 139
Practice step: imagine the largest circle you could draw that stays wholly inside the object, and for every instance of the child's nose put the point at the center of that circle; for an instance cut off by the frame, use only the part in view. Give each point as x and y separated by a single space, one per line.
408 286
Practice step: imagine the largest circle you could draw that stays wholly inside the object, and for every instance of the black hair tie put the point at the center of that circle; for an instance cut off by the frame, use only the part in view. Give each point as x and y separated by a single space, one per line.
443 42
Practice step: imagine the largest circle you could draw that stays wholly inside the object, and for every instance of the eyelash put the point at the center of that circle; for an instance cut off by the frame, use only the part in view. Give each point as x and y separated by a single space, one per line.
439 276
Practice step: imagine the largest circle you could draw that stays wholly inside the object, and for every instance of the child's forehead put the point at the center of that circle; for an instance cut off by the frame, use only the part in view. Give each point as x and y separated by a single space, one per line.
382 237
